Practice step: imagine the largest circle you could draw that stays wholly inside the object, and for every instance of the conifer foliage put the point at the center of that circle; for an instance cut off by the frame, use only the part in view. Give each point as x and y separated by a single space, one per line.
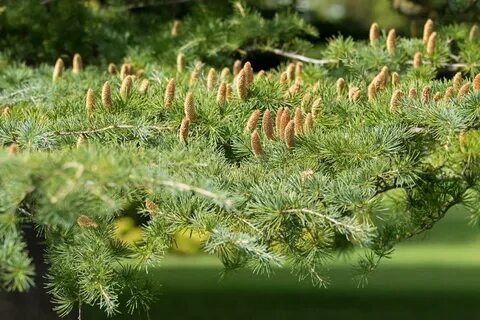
364 148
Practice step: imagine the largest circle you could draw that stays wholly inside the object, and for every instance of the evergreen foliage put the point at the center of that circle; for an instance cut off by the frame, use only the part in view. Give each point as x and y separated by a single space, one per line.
354 163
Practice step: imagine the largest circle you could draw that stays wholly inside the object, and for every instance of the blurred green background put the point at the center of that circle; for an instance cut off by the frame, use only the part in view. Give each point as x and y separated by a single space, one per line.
435 276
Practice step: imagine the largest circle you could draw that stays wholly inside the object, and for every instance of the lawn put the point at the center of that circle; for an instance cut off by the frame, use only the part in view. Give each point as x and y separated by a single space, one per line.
436 277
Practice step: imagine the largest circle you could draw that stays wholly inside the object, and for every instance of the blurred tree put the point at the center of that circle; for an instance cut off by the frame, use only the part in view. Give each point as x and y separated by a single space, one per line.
451 10
34 30
331 17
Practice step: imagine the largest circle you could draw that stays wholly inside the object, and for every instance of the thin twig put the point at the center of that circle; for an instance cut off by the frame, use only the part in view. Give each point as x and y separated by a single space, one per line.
299 57
111 127
293 55
206 193
428 226
79 308
25 212
326 217
153 5
248 223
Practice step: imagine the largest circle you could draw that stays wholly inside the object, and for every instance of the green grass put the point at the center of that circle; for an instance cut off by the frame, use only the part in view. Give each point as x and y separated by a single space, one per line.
435 277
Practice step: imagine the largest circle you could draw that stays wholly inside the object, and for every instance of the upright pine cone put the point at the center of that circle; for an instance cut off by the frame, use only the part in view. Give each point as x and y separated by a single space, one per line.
476 83
340 86
253 121
473 32
176 28
169 94
298 70
374 34
86 222
290 134
225 75
395 100
229 92
6 111
457 80
427 30
211 79
284 77
140 73
426 93
58 70
124 71
194 76
237 67
350 93
126 87
291 71
107 96
261 75
112 69
129 68
463 91
143 88
412 93
293 90
391 41
82 139
355 94
242 85
184 127
395 80
189 107
298 122
90 102
306 99
267 125
316 107
222 94
278 121
316 87
256 144
431 44
247 68
417 60
449 93
308 126
372 91
283 123
383 78
181 62
77 64
12 149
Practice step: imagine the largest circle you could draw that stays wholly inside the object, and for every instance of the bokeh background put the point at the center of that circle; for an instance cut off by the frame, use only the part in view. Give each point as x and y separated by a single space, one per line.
38 31
435 276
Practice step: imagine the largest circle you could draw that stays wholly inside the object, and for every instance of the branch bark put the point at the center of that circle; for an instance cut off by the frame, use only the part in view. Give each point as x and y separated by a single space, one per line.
299 57
452 67
111 127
